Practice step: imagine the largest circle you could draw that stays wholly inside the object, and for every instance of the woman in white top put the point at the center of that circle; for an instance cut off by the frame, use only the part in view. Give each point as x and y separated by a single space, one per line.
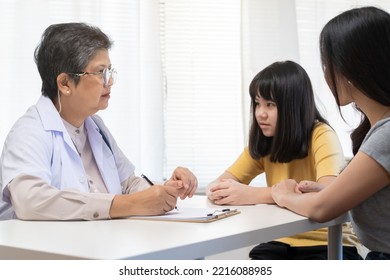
59 161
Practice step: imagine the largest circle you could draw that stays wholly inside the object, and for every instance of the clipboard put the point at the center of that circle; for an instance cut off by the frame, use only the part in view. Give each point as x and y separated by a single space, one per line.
193 215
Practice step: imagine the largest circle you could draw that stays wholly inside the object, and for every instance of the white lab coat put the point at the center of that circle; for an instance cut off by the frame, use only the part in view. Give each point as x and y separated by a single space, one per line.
39 145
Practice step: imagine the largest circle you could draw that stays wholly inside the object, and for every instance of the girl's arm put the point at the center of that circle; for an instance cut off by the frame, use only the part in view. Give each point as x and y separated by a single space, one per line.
228 190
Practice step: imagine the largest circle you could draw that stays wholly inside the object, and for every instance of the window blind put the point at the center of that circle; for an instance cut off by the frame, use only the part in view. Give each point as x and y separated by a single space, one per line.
201 57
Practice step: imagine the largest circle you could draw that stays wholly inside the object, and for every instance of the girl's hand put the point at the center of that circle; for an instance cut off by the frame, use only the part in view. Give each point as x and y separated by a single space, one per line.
230 192
309 186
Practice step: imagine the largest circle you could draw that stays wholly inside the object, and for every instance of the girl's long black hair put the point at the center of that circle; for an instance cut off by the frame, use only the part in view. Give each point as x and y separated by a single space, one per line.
288 85
356 45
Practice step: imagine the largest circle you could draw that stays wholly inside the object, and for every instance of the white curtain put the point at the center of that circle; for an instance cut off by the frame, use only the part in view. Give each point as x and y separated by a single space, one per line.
269 33
202 73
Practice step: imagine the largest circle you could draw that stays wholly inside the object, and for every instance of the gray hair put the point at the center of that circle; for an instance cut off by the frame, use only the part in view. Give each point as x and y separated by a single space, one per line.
67 48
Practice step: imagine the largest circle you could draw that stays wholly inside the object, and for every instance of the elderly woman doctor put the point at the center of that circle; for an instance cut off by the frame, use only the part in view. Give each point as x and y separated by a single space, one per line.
59 161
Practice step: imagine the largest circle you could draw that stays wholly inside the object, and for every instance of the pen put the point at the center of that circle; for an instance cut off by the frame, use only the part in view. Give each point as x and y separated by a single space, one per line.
218 211
147 179
151 183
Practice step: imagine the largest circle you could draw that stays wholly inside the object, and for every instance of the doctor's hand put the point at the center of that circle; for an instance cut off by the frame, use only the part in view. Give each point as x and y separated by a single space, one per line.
184 180
155 200
230 192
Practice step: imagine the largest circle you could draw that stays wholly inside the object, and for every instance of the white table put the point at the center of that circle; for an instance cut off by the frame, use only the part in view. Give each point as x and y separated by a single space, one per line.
141 239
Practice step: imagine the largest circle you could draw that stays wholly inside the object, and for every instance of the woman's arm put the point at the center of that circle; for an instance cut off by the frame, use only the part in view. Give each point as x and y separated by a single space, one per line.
34 199
360 179
156 200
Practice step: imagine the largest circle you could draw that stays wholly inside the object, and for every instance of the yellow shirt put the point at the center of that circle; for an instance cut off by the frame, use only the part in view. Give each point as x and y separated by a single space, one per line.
325 158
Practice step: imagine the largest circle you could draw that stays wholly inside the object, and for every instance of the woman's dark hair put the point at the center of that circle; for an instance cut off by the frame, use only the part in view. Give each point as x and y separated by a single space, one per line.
67 48
288 85
356 45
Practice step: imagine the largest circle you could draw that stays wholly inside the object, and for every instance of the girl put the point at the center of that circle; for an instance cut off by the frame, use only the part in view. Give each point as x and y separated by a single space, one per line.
288 139
355 53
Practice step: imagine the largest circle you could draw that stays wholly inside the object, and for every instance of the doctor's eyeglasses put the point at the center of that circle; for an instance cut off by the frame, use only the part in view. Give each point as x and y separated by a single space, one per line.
107 75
